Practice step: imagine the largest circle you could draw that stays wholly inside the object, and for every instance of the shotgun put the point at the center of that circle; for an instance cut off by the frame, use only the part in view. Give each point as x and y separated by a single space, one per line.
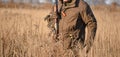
57 20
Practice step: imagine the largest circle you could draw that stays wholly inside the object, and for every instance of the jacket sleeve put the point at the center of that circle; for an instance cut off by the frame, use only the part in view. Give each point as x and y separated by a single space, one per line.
90 21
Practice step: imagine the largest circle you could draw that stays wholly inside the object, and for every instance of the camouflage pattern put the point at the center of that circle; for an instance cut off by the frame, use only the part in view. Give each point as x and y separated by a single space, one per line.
51 22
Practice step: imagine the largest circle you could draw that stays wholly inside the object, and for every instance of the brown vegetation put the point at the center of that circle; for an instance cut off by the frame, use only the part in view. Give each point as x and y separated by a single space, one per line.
24 33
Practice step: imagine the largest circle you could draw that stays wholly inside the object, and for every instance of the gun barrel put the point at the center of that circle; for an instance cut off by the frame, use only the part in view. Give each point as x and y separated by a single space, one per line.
57 21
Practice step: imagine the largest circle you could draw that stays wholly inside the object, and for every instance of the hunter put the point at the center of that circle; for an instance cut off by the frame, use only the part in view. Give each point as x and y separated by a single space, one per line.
74 17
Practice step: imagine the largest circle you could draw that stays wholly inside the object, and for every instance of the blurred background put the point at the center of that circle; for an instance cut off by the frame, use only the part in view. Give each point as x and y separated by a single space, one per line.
92 2
24 33
49 3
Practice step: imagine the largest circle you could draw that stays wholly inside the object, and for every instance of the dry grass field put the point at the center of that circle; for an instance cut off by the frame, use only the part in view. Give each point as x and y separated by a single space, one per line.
24 33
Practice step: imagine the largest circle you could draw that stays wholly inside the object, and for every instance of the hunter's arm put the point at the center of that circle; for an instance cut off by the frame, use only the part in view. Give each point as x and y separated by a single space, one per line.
90 21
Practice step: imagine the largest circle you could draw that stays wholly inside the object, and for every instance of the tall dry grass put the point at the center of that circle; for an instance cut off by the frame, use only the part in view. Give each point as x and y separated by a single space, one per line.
23 33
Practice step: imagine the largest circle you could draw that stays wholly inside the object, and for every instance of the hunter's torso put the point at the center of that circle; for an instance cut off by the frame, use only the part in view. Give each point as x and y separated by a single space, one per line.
72 23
